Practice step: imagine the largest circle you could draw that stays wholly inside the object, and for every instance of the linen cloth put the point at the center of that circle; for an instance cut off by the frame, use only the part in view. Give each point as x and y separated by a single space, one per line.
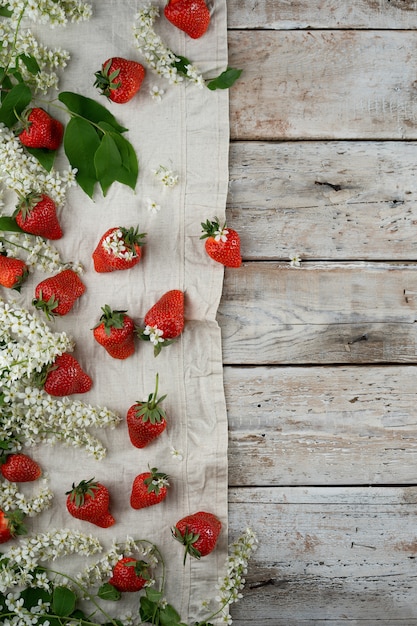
187 132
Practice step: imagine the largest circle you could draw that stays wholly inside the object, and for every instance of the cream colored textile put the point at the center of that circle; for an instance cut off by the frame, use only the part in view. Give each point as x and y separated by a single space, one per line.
187 132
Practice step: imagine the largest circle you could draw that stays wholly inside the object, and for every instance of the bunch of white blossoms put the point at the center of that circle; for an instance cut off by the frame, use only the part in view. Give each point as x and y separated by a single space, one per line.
53 12
160 58
11 498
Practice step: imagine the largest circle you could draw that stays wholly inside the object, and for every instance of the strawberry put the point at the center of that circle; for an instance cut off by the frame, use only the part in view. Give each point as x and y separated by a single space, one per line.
118 249
89 501
57 295
116 332
149 488
13 272
146 420
65 377
11 525
222 244
41 130
191 16
119 79
198 533
129 574
36 214
165 320
19 468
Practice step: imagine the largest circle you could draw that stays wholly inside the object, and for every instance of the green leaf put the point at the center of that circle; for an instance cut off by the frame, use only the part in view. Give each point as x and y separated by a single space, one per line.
108 592
89 109
31 596
169 616
181 64
107 161
225 80
15 102
63 601
80 144
127 174
45 157
30 62
5 12
147 609
153 595
8 224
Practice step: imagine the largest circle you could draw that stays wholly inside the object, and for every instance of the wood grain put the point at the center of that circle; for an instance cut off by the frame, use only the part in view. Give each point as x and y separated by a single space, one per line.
358 14
326 200
346 555
321 425
323 85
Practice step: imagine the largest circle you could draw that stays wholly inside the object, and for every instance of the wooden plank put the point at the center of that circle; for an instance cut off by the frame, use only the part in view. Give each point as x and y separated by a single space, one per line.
333 200
270 14
318 313
321 425
324 85
328 555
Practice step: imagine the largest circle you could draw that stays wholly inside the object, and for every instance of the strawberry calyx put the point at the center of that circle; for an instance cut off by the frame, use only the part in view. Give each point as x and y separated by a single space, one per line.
79 492
213 229
151 411
187 539
27 204
141 568
132 238
156 480
15 523
106 80
47 306
111 319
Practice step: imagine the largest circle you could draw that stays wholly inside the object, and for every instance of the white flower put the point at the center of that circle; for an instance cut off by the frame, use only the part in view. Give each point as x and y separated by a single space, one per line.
221 235
295 260
152 206
166 176
155 334
156 93
177 453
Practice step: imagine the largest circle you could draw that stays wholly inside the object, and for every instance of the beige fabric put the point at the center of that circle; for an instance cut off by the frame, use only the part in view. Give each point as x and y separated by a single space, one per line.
187 132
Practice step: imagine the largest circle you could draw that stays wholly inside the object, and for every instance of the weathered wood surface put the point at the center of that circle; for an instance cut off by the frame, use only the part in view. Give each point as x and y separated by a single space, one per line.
325 200
271 14
329 555
324 85
272 313
322 425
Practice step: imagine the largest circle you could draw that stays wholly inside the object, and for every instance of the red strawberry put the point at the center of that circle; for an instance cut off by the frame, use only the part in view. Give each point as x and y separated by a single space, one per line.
41 130
118 249
11 525
165 320
149 488
57 295
65 377
222 244
20 468
13 272
89 501
198 533
36 214
191 16
116 332
119 79
129 574
146 420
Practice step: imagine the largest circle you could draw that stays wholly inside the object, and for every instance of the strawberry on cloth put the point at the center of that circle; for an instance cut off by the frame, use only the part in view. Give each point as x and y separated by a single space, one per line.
118 249
89 501
165 320
146 420
198 533
13 272
191 16
41 130
11 525
119 79
222 243
19 468
65 377
57 295
36 214
116 333
148 489
129 574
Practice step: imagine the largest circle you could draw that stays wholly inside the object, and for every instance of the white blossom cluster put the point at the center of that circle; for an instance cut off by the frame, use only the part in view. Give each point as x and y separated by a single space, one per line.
166 176
52 12
115 245
11 498
16 568
155 334
160 58
36 252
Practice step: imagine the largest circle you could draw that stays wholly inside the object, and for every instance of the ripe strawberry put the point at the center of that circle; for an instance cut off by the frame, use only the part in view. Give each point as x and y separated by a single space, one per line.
146 420
57 295
129 574
198 533
165 320
11 525
19 468
65 377
149 488
36 214
41 130
89 501
118 249
116 332
13 272
222 244
191 16
119 79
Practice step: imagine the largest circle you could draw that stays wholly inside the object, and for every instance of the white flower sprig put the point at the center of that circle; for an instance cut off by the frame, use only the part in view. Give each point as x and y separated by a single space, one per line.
166 176
160 58
11 498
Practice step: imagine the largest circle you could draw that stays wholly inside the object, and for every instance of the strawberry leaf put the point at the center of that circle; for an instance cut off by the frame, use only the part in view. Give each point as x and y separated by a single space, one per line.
107 161
14 103
9 224
80 144
225 80
89 109
45 157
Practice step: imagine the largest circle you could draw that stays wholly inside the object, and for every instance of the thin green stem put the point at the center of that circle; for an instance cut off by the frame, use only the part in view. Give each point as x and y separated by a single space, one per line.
13 50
